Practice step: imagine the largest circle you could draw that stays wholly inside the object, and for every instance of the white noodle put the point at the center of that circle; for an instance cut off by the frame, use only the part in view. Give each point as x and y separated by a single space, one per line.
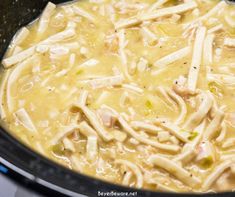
135 169
171 58
216 172
208 50
24 119
176 170
169 11
45 18
196 59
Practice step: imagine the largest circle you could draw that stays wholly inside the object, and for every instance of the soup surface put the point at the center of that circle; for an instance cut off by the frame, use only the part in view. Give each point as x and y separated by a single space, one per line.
139 93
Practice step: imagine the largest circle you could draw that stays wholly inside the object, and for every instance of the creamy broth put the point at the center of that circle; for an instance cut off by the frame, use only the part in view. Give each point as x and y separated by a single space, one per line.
139 93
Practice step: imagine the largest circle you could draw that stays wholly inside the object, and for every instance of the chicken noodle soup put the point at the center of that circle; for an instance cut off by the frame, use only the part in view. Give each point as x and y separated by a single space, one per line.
139 93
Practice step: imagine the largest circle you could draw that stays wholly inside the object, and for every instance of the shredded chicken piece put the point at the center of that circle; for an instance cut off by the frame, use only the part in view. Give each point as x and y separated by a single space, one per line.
107 117
176 170
196 59
135 169
200 114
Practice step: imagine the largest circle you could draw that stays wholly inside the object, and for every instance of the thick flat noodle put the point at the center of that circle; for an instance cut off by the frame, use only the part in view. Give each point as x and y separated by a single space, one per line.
14 75
182 105
230 42
157 5
191 152
196 59
127 23
169 11
106 81
140 138
45 18
2 92
174 169
177 55
14 59
214 125
135 169
173 129
149 128
218 7
20 36
86 129
91 116
215 29
24 119
127 178
63 131
216 172
154 143
202 111
83 13
92 148
208 50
